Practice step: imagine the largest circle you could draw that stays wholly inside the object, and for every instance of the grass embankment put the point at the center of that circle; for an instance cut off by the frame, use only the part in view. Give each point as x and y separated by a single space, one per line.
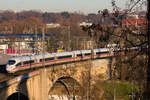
118 90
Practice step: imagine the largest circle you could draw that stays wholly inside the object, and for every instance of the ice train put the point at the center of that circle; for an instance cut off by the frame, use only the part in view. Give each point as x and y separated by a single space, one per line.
28 62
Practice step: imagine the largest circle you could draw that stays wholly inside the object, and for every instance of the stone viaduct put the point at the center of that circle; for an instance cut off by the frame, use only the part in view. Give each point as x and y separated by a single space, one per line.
67 78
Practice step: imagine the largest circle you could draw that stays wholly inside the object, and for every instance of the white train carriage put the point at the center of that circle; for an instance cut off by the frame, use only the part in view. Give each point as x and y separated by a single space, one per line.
26 62
134 48
44 59
86 54
20 63
77 55
11 65
82 55
62 57
102 52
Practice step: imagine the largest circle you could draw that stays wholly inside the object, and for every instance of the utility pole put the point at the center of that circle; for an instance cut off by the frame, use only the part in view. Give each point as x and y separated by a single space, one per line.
43 47
36 40
69 48
77 44
43 40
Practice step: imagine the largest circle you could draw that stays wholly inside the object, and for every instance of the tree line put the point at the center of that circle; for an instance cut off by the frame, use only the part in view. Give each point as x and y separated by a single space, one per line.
46 17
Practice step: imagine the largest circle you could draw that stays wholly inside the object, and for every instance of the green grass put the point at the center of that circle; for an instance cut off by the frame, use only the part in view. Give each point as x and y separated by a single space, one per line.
122 90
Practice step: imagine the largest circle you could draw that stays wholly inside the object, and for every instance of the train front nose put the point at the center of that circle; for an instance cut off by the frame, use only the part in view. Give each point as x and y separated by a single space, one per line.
10 65
9 68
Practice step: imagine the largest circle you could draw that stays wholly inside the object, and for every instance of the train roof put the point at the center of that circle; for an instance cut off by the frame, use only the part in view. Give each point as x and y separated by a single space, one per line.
44 55
82 51
22 58
63 53
101 49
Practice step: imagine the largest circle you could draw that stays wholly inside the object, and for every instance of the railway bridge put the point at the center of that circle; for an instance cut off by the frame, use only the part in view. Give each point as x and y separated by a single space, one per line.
63 79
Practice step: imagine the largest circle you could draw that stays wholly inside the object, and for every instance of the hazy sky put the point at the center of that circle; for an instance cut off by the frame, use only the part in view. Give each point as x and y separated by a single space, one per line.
85 6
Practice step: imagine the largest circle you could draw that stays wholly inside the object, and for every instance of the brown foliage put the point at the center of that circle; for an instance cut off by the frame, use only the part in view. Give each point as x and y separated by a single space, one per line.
21 26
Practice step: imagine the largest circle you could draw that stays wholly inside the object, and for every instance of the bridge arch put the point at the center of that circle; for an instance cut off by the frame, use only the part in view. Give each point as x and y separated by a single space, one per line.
17 96
66 86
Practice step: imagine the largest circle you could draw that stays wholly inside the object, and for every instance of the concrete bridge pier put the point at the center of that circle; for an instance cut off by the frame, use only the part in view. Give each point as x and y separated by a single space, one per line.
44 84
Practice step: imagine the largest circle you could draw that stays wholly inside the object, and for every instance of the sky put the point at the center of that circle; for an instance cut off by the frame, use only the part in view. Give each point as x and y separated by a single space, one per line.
84 6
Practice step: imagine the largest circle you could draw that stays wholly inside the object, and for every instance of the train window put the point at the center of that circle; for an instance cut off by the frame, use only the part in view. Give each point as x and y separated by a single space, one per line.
102 52
41 60
11 62
47 59
19 64
28 62
31 61
87 54
62 57
79 55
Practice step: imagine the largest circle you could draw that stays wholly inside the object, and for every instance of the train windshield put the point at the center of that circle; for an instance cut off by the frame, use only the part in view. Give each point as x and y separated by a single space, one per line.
11 62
